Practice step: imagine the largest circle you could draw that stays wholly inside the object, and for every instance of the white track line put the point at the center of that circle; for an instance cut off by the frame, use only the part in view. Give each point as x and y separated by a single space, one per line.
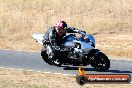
42 72
20 50
39 71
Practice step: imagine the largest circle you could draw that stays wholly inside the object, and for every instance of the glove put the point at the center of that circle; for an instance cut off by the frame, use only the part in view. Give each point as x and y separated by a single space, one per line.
83 33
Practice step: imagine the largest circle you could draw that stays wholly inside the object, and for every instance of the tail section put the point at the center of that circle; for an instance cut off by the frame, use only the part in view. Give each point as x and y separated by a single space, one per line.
38 37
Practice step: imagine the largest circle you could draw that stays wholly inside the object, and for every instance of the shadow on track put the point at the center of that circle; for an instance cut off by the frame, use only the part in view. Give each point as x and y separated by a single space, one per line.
76 68
118 71
92 69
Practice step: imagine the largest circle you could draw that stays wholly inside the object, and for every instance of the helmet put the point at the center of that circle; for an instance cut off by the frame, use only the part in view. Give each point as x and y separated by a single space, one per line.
60 27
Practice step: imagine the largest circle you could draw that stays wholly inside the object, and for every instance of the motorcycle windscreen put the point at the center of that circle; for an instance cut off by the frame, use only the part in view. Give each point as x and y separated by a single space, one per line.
92 39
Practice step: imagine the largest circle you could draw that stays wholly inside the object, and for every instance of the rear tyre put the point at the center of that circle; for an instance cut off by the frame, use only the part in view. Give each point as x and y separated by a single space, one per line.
100 62
56 62
45 57
53 61
47 60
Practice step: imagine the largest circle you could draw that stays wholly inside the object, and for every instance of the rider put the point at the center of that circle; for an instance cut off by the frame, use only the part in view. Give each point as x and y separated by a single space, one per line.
55 34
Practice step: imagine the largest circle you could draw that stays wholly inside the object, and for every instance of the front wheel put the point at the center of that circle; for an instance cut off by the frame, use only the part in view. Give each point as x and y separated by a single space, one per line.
100 62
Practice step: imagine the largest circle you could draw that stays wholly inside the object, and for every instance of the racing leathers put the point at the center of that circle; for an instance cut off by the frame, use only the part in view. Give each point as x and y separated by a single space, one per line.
54 40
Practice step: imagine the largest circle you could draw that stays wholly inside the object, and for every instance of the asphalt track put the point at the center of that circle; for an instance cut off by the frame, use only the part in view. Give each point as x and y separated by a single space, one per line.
33 61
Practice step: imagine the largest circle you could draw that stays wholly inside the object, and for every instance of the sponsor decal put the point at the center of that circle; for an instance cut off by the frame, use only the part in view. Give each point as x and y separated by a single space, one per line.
83 78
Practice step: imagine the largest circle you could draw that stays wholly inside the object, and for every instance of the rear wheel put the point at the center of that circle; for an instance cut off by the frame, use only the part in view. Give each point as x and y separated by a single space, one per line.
100 62
56 62
45 57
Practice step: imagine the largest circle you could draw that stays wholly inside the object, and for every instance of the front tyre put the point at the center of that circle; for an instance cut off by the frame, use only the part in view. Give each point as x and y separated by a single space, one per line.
100 62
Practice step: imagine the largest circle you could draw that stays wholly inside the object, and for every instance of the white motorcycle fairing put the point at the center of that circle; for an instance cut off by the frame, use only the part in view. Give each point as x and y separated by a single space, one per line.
38 37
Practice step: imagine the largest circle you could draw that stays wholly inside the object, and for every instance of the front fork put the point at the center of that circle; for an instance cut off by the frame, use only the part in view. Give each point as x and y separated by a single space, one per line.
93 53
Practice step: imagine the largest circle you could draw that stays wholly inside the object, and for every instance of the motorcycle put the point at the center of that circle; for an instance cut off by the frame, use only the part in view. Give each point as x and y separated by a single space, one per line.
76 51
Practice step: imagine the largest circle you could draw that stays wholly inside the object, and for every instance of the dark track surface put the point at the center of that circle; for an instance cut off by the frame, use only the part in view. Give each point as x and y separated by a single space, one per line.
33 61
